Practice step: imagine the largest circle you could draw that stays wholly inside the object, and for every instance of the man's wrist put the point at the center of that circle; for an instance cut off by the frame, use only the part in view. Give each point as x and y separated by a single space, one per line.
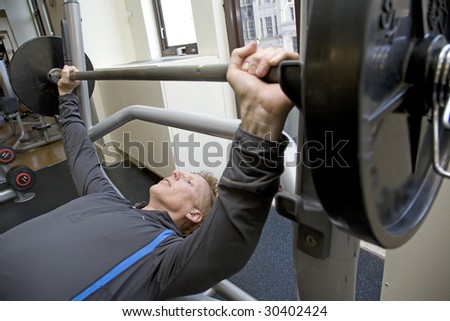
260 123
63 93
262 130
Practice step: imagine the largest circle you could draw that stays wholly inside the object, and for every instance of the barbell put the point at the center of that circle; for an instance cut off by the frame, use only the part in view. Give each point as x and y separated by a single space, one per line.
34 75
374 82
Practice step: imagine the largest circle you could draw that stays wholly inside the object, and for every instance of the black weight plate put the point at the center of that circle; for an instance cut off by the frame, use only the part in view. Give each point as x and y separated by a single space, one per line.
366 103
21 178
29 69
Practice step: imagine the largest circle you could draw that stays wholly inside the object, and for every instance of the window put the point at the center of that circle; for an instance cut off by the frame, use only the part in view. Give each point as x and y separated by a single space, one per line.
248 20
276 24
251 30
295 43
262 27
176 25
269 27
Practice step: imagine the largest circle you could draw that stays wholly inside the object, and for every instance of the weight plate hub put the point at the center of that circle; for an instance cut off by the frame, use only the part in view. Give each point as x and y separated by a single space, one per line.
29 70
367 85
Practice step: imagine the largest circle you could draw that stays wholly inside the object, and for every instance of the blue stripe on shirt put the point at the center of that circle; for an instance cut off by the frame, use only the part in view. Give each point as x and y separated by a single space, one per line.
122 266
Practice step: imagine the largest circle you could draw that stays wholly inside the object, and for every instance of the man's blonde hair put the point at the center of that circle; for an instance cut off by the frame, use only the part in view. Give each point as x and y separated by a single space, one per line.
207 202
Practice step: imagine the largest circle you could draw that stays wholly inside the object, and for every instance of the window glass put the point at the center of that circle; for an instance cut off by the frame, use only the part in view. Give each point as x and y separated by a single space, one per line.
271 23
269 27
177 28
178 22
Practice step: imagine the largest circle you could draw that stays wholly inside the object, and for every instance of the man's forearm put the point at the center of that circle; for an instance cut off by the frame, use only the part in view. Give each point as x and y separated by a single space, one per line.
81 156
259 161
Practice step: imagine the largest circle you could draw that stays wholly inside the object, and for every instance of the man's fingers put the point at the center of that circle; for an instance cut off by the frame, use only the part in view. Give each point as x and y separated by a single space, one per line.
260 63
239 55
281 55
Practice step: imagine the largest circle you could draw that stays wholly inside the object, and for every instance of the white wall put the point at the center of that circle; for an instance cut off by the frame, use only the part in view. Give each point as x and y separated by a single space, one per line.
107 35
20 19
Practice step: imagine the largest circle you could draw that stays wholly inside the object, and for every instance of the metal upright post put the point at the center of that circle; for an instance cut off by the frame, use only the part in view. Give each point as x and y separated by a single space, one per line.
74 33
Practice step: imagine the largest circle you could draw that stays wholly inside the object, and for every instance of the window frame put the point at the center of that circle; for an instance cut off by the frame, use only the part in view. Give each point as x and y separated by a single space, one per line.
166 50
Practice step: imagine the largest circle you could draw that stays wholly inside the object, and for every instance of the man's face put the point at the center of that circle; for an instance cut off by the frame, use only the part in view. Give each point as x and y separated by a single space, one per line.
181 191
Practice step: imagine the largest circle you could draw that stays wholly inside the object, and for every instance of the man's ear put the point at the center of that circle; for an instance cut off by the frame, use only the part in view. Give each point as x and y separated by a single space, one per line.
195 216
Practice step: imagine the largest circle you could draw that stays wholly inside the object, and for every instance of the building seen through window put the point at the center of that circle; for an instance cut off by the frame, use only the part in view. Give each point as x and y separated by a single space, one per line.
270 22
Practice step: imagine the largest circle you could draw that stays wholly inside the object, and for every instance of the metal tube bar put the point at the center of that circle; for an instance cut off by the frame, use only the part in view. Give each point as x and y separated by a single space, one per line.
7 194
210 73
231 292
74 33
213 73
4 81
200 123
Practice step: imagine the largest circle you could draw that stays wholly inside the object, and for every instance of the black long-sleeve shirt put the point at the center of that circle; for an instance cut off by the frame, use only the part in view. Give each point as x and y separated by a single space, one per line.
99 247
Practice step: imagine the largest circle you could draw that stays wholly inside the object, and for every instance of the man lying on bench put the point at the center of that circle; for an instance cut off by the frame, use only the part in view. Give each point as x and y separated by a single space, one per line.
99 247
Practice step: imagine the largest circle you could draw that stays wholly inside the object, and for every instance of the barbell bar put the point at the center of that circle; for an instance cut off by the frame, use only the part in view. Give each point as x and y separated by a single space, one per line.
288 75
36 68
210 73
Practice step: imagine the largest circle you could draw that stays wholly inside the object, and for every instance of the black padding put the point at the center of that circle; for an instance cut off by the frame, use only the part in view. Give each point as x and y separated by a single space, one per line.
9 105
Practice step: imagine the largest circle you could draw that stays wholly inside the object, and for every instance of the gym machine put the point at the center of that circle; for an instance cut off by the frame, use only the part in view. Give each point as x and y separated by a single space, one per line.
10 111
373 93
